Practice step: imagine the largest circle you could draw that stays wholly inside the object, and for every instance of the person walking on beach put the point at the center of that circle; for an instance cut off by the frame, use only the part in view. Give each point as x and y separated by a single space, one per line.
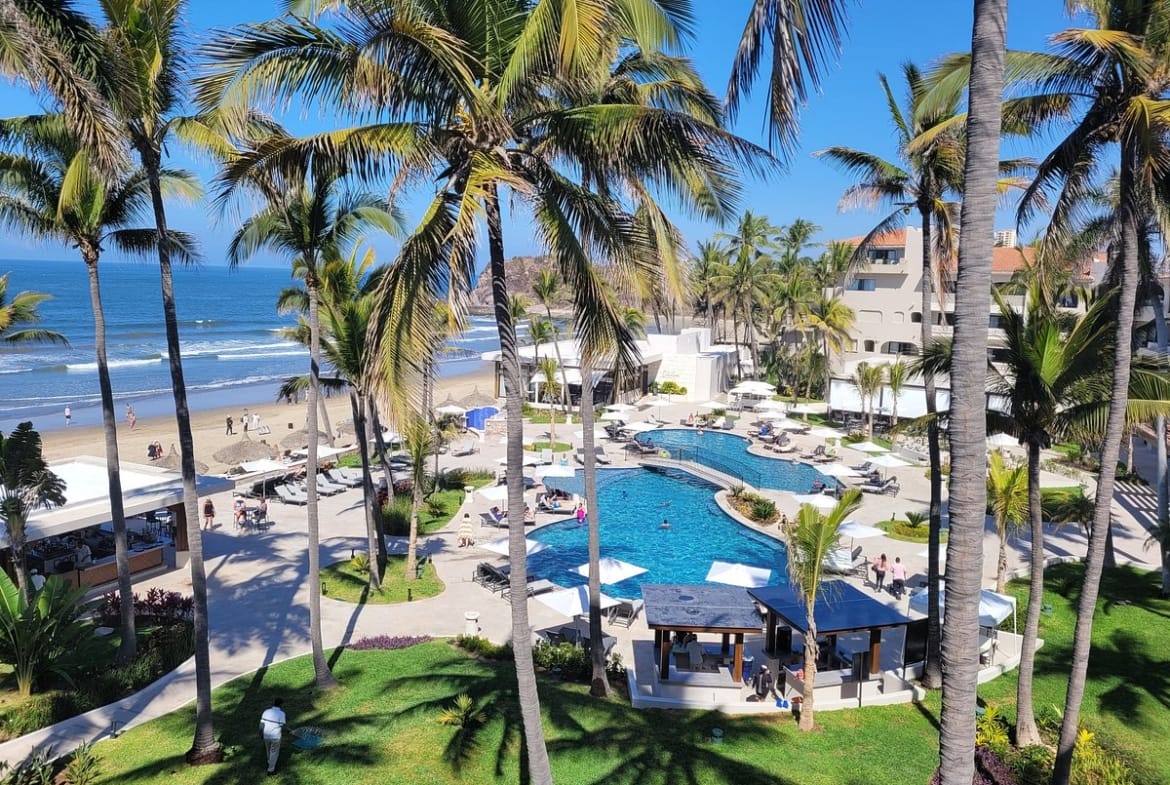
244 421
131 418
256 421
68 416
229 431
208 514
272 723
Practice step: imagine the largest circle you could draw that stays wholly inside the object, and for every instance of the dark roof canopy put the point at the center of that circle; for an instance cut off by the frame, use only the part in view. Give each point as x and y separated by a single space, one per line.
840 607
700 608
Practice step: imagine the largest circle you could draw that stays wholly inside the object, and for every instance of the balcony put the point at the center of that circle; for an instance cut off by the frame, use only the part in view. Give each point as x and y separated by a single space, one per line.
886 266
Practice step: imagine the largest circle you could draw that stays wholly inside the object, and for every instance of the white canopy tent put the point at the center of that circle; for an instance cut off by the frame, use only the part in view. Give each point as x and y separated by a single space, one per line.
818 500
735 574
993 608
574 601
612 570
500 546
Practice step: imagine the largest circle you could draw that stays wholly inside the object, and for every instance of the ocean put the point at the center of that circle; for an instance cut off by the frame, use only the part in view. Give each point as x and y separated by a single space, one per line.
229 331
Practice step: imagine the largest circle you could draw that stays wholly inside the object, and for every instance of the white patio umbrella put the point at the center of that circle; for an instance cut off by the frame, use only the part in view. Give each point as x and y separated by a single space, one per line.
818 500
450 408
993 607
495 493
712 405
555 470
528 460
736 574
614 417
754 387
573 602
612 570
770 405
598 433
620 407
500 546
858 531
889 461
1002 440
827 433
867 447
837 470
805 408
639 427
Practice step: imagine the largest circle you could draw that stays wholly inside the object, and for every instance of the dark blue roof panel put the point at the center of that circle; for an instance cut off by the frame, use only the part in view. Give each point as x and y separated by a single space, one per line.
678 606
840 607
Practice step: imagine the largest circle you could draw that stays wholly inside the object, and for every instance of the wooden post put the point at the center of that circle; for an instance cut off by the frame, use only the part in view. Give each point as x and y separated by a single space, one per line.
770 633
664 656
875 651
726 648
737 669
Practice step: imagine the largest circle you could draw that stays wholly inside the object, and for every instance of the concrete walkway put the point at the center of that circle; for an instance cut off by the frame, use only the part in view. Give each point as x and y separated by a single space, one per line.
258 599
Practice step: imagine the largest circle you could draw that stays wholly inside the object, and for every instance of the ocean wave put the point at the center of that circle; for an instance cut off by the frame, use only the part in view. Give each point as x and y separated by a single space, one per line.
86 367
220 348
261 355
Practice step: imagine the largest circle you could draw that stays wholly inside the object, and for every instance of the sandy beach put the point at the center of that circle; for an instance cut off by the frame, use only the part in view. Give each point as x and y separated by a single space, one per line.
209 429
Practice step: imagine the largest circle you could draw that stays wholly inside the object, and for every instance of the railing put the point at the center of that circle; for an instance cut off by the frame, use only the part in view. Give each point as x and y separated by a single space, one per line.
745 472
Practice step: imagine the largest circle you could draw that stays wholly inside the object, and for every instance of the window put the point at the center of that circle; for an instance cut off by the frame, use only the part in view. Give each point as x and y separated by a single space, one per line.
998 355
885 256
995 321
1066 300
854 349
900 347
916 318
869 346
862 285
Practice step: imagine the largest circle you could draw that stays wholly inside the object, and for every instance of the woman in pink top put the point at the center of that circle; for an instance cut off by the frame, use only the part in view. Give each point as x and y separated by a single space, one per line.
581 514
880 565
897 578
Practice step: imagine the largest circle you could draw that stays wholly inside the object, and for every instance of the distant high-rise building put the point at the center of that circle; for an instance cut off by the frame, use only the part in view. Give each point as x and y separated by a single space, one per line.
1005 238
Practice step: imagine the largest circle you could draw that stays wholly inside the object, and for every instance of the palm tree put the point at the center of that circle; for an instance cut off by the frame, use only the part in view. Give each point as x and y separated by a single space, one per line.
830 319
810 540
547 288
492 111
931 149
744 281
418 440
551 391
1007 497
968 431
19 314
311 223
897 373
867 379
26 483
50 191
1115 66
703 271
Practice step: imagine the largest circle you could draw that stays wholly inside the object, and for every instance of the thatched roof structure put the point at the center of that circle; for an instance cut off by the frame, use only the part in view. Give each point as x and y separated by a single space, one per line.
243 450
174 461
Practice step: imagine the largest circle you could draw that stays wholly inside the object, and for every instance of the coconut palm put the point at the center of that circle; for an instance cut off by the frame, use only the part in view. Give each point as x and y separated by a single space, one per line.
1007 498
493 114
967 498
26 483
867 380
744 281
19 314
703 267
923 182
831 320
551 390
418 439
311 223
50 191
897 373
547 288
810 540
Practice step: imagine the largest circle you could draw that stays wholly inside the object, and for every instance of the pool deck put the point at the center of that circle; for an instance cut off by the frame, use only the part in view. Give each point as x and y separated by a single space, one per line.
258 594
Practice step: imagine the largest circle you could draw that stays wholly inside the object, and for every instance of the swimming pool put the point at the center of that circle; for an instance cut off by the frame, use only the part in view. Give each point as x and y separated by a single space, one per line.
633 504
728 453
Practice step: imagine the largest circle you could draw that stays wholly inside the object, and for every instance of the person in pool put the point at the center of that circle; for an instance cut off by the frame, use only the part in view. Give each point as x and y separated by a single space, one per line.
665 524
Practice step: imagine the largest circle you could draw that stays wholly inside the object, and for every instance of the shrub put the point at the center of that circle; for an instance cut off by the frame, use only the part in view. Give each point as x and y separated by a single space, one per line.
763 509
396 517
482 647
571 661
82 768
435 506
991 730
37 769
39 711
45 637
360 562
463 713
1094 765
157 607
1032 764
736 491
456 478
990 769
388 642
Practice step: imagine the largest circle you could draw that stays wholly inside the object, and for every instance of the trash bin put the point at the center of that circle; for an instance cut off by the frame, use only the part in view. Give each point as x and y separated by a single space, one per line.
471 623
749 664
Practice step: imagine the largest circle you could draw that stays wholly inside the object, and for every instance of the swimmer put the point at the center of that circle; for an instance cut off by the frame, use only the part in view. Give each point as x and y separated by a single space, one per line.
665 504
665 524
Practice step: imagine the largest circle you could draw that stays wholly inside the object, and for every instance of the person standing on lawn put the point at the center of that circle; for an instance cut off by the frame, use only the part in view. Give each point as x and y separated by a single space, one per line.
272 723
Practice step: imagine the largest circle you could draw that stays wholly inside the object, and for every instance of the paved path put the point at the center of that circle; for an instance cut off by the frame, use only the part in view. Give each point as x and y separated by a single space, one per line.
258 603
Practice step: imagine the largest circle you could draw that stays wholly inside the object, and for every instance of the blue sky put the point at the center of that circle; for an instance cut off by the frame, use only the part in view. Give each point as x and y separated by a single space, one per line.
850 110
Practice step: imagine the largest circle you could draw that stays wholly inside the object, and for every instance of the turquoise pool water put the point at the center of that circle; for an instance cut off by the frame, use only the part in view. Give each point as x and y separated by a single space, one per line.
633 504
728 453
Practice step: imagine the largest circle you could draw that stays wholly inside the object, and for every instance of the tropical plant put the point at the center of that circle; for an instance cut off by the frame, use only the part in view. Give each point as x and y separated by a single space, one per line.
703 271
810 540
968 430
462 713
18 314
26 483
418 439
897 374
743 283
311 222
547 288
49 190
1007 498
926 180
45 634
831 320
867 379
550 389
499 113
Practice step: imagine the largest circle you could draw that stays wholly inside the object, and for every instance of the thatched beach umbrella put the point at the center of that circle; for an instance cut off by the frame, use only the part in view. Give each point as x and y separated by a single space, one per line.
298 440
478 400
174 462
243 450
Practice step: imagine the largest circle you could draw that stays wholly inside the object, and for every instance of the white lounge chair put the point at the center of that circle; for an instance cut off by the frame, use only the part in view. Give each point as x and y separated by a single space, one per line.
290 495
326 488
337 477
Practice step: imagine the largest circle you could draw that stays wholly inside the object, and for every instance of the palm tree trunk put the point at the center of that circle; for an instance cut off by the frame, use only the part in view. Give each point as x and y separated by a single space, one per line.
932 668
811 653
18 542
1163 478
357 405
539 769
324 410
324 677
1026 731
383 458
735 341
968 431
416 501
204 748
129 642
1001 562
1115 425
749 335
560 364
599 685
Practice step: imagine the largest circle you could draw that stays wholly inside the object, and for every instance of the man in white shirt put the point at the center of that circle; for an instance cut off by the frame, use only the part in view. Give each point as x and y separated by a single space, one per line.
271 727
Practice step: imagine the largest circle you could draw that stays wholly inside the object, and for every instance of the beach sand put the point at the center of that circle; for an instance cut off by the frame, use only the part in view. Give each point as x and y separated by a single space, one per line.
209 431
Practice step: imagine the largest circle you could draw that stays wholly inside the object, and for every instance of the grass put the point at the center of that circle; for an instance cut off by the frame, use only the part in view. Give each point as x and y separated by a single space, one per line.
341 581
538 416
446 504
923 535
1128 689
381 727
557 447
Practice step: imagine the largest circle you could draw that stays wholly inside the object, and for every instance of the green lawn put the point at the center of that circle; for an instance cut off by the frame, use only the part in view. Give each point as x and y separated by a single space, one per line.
923 534
446 504
381 729
340 581
1127 698
558 447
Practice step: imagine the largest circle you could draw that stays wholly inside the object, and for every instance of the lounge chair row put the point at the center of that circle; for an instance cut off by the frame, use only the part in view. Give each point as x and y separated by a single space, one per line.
819 455
496 579
889 486
329 483
598 452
